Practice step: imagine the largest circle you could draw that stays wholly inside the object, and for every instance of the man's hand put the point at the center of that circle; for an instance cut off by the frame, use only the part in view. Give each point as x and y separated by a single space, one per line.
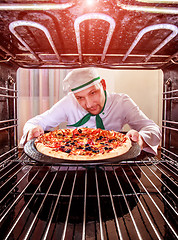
135 137
35 132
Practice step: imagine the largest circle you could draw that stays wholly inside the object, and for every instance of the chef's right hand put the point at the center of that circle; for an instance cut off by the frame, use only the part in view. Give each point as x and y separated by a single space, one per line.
35 132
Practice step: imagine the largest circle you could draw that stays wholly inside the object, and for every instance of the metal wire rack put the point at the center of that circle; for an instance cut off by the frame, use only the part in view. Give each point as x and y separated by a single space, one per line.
118 201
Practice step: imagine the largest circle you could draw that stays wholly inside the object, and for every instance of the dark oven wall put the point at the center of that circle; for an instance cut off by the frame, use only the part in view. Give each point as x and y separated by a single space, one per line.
8 110
170 110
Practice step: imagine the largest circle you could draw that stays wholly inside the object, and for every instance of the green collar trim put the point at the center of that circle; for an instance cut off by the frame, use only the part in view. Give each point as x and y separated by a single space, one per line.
85 84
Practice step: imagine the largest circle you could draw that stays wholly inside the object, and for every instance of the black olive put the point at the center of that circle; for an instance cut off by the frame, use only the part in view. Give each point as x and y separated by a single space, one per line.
80 130
106 148
87 144
95 151
68 151
62 149
100 138
80 147
88 149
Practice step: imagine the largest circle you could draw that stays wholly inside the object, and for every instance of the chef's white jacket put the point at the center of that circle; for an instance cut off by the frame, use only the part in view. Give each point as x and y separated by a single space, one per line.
119 110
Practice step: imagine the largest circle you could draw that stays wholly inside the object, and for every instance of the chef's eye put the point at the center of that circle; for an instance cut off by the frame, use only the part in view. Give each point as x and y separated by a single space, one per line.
93 92
79 98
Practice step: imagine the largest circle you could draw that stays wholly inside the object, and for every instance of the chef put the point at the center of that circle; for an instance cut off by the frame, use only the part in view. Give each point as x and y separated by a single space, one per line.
89 104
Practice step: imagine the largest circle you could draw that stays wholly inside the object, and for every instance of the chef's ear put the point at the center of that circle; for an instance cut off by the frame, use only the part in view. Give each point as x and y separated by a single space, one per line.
103 82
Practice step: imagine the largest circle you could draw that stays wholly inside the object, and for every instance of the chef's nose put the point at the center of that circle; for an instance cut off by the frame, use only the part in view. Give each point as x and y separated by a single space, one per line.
88 102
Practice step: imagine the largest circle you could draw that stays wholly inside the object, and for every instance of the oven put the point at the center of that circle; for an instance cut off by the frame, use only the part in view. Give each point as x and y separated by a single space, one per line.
133 199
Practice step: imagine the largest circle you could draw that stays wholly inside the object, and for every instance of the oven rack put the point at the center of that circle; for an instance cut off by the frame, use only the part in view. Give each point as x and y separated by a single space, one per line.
119 201
60 55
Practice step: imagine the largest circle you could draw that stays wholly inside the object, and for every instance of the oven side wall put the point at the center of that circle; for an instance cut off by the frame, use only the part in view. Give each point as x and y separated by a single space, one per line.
8 110
170 110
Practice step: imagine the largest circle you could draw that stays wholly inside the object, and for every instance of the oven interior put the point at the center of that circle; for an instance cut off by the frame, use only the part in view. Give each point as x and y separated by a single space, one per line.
135 199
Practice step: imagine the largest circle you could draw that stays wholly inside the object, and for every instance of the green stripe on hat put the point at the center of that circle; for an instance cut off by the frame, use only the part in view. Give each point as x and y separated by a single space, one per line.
85 84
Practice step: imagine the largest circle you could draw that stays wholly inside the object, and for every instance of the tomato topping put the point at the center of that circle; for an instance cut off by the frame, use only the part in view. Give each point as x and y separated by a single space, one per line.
90 142
97 131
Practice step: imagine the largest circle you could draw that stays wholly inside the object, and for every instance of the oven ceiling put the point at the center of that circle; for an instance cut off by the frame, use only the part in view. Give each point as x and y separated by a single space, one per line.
102 33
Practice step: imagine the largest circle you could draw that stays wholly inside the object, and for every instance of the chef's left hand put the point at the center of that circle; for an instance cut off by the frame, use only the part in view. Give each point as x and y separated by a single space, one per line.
135 137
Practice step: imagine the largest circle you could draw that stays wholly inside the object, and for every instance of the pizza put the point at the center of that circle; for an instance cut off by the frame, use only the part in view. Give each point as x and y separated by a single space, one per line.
83 144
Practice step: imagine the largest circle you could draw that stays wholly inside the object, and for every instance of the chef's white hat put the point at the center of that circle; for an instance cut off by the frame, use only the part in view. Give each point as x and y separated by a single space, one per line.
80 79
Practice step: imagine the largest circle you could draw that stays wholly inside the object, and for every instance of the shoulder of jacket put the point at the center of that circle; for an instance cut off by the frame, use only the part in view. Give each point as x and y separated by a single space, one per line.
118 96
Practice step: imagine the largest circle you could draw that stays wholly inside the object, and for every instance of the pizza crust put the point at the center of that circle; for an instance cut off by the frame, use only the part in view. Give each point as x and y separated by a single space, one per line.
99 156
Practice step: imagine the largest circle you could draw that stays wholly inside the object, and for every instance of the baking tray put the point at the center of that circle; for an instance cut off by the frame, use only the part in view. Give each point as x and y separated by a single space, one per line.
31 150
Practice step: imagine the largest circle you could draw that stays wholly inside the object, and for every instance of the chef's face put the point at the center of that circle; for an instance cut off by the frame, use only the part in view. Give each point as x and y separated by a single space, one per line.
92 99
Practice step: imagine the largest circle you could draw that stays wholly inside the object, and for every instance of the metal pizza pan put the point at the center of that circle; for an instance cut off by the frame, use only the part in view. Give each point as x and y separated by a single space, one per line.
31 150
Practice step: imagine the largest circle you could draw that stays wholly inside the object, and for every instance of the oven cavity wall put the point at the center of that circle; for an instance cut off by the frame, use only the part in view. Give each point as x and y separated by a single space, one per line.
8 111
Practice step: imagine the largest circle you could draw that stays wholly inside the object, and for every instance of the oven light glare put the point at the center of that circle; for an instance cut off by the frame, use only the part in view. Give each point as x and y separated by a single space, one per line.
90 2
